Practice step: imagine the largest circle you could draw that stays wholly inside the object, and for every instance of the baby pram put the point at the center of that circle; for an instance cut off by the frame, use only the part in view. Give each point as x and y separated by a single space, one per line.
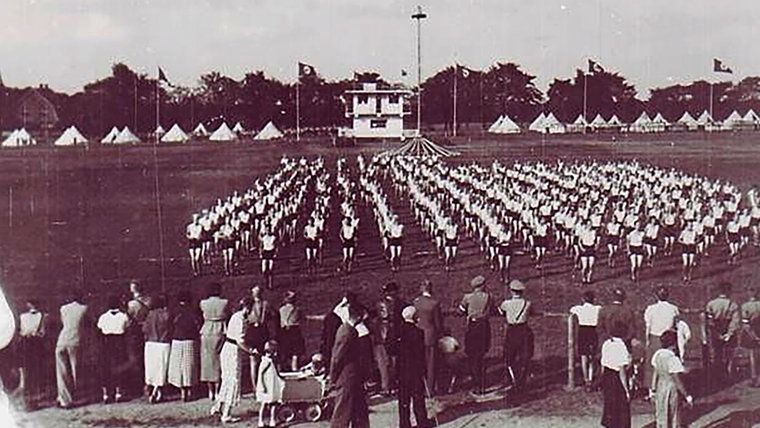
304 394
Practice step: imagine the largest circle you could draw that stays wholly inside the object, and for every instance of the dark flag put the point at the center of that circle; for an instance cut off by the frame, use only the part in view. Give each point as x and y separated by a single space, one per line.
403 73
719 67
463 71
162 76
305 70
594 67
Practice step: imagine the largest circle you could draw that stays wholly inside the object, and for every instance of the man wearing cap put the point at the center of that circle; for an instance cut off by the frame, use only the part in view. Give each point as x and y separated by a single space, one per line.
720 324
430 321
477 340
617 312
411 371
518 337
751 332
389 311
658 318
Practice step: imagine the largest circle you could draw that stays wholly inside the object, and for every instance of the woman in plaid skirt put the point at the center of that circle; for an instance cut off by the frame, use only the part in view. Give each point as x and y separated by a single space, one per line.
183 359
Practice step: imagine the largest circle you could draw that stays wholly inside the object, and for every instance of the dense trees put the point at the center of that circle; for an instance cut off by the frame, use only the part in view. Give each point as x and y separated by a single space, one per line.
129 98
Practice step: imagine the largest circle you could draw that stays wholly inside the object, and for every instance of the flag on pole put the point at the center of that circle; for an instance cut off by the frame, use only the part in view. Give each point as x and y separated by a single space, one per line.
463 71
594 67
719 67
162 75
305 70
404 73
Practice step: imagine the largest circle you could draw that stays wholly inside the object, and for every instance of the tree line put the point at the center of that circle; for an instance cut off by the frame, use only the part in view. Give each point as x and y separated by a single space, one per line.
128 98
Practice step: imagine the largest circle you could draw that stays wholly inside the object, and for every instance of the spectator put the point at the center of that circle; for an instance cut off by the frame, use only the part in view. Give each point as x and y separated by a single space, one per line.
32 327
518 338
617 313
658 318
411 368
430 321
389 311
477 341
157 329
345 377
257 331
615 361
751 332
588 338
720 326
113 326
137 309
214 310
67 349
270 384
183 370
291 338
332 322
667 386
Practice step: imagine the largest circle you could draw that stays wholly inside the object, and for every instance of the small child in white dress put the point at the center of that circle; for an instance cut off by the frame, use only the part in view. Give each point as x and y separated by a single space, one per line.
269 385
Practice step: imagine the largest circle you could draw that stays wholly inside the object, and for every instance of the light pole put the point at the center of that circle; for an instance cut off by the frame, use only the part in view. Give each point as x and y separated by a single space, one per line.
419 16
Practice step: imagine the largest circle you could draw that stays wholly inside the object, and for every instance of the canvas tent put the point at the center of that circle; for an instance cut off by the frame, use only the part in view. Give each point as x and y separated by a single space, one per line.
160 131
175 135
659 124
238 128
268 132
553 126
751 117
507 126
733 121
538 123
112 134
707 122
495 125
223 133
70 137
579 125
615 123
19 138
598 122
687 121
200 131
642 124
126 137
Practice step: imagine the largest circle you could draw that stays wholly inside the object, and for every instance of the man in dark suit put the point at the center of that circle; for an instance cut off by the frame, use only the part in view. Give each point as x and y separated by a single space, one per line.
389 311
411 370
346 377
430 321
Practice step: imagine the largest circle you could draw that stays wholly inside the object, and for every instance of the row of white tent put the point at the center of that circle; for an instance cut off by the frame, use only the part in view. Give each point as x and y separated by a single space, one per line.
72 137
549 124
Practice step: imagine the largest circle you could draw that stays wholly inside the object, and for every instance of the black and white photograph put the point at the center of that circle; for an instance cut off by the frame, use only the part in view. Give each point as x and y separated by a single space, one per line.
379 213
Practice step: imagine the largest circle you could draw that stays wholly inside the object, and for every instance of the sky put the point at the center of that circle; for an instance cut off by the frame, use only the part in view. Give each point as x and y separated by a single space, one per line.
654 43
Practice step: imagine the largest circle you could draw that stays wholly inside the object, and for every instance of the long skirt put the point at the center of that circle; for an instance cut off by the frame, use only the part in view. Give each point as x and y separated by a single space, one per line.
617 410
183 370
156 363
231 365
210 369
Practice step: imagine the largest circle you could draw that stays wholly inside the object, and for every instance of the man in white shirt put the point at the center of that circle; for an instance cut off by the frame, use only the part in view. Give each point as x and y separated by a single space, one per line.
587 314
67 349
658 318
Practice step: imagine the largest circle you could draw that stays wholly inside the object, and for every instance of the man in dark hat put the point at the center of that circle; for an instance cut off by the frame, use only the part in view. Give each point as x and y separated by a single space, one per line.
389 313
720 324
477 306
518 341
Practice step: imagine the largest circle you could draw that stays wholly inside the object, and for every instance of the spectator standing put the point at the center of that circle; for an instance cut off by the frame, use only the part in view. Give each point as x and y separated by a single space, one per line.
257 331
518 338
667 387
430 321
659 317
157 329
270 384
291 338
183 366
587 314
32 328
138 307
751 332
617 313
720 326
411 369
477 341
67 349
113 325
214 310
389 311
616 358
345 376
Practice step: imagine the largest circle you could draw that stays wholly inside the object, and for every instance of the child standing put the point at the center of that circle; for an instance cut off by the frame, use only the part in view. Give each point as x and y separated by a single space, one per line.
270 384
113 327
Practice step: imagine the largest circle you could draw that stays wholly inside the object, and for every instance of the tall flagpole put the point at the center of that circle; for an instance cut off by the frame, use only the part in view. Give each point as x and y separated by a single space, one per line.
712 117
158 109
585 103
298 109
419 16
456 72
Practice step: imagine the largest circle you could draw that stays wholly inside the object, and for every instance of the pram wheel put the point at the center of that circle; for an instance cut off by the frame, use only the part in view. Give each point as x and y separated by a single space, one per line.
313 412
286 414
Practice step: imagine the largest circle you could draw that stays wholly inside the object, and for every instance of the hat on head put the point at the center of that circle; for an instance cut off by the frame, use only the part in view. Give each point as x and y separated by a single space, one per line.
516 285
408 313
390 287
478 281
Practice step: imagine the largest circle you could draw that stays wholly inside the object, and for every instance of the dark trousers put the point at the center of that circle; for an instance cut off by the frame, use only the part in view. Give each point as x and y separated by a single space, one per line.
350 407
112 361
430 367
516 352
412 395
478 371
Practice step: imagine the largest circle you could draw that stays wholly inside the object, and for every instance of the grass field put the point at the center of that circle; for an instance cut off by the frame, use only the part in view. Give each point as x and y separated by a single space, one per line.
90 219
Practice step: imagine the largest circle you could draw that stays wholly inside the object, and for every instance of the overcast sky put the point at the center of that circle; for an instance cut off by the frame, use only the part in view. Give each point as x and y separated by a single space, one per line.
67 43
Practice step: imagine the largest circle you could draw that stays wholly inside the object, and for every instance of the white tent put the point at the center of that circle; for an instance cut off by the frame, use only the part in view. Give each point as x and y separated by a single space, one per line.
598 122
223 133
495 125
552 125
733 121
238 128
159 131
268 132
175 135
538 123
751 117
508 126
688 121
112 134
659 124
615 122
579 125
200 131
70 137
706 121
19 138
126 137
642 124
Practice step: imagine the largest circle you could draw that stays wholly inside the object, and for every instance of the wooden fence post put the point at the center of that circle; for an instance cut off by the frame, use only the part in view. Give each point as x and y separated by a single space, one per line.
571 327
